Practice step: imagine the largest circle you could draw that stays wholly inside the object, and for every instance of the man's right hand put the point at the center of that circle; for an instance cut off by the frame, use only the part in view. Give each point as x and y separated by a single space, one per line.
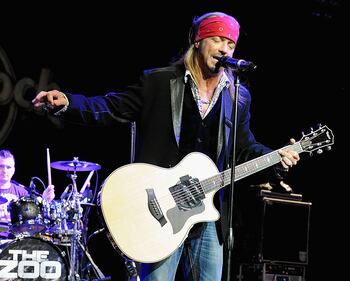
49 193
52 99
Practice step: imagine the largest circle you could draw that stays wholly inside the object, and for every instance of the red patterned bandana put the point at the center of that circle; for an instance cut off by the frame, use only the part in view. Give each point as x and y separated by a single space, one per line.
222 26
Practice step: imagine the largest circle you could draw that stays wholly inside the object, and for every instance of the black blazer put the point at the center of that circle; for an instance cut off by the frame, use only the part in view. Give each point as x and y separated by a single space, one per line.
155 103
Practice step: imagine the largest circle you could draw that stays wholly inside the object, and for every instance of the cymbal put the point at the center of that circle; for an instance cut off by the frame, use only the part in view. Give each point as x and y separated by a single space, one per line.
75 165
3 200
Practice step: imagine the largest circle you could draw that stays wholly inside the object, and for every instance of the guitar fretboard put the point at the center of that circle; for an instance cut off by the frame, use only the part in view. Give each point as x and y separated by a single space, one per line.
246 169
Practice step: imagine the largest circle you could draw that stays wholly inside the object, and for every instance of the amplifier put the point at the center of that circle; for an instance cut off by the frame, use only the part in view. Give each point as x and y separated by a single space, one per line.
272 229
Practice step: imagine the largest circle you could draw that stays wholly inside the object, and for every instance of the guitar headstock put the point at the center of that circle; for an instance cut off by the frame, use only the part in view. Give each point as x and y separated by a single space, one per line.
317 140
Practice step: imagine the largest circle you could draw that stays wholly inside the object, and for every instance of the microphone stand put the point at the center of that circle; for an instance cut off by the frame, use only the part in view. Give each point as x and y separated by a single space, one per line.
229 238
131 266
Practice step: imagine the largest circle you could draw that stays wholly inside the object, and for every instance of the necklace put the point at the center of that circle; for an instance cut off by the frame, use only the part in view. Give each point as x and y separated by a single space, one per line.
204 101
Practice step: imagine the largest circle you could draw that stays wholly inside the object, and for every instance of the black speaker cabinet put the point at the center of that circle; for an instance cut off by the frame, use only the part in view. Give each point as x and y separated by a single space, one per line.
272 229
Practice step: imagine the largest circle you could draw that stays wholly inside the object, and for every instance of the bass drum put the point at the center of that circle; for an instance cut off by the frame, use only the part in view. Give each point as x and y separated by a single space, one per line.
32 259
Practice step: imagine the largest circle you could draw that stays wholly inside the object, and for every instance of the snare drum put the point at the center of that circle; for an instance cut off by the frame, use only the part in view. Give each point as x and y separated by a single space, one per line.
27 216
31 258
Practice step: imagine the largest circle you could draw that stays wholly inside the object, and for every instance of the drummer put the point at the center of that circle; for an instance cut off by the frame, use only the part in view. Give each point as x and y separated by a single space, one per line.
11 190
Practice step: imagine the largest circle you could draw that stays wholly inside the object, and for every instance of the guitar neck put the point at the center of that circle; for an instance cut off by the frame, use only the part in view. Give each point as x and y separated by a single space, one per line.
246 169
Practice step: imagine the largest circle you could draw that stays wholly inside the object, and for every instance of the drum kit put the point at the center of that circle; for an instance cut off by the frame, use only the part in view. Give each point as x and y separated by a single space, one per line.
49 234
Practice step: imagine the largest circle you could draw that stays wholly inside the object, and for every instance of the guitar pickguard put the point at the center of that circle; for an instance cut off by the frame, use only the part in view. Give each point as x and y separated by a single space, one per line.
178 218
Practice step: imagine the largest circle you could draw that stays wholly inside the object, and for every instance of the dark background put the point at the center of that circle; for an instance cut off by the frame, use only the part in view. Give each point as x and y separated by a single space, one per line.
300 49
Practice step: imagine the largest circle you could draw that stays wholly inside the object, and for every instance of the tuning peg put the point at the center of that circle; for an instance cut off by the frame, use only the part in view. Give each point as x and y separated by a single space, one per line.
328 148
311 154
319 125
311 130
319 151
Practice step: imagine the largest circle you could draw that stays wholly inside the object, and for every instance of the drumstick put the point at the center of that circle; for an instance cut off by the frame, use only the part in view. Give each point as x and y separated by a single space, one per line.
87 181
48 167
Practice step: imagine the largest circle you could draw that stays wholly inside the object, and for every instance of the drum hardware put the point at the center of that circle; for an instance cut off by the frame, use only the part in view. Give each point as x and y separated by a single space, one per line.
67 216
87 204
74 203
97 271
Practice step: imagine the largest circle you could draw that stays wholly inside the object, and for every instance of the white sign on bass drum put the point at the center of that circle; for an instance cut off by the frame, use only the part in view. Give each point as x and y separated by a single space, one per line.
32 258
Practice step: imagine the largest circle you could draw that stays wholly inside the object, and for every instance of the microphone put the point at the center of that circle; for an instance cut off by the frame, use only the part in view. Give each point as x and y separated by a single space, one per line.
236 64
32 187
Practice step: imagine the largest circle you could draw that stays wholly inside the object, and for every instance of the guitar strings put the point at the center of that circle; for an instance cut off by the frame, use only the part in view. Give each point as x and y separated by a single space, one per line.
206 185
218 181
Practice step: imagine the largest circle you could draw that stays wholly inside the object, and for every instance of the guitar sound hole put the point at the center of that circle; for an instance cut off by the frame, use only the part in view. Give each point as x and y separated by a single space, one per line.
188 193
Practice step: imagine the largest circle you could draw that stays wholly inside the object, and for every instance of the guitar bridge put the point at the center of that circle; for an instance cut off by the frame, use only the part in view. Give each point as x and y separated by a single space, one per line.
154 207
